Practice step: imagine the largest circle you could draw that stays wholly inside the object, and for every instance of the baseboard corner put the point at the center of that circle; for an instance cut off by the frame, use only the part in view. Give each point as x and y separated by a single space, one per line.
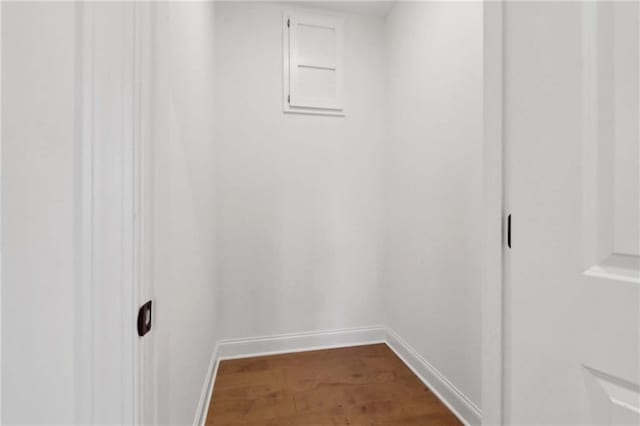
459 404
453 398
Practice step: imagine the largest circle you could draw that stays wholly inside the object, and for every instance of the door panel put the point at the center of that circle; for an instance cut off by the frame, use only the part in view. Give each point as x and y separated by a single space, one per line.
571 133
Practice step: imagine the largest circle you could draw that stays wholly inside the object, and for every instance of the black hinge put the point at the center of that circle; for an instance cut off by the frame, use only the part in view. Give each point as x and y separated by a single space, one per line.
289 99
288 23
144 319
509 230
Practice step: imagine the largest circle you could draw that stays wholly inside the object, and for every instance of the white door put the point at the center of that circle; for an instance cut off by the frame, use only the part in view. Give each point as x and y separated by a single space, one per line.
572 324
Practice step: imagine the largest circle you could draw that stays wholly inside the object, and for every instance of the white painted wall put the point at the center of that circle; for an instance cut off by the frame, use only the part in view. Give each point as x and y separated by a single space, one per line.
313 210
261 222
38 173
299 197
183 208
434 185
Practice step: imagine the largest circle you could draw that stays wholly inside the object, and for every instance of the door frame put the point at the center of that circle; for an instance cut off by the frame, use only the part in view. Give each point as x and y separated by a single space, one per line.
1 3
106 303
135 224
494 214
143 223
96 151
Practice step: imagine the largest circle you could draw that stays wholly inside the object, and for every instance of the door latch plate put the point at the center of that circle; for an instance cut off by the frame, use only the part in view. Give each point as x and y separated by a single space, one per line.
144 319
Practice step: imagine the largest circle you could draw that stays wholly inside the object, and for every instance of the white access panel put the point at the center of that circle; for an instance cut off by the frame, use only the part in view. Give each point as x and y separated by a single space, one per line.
313 63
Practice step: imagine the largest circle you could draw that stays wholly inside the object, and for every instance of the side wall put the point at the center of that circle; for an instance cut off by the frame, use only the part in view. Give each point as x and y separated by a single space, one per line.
434 185
38 174
184 211
300 213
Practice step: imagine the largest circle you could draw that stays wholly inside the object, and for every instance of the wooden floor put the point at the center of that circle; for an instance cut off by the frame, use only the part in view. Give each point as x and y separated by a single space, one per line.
364 385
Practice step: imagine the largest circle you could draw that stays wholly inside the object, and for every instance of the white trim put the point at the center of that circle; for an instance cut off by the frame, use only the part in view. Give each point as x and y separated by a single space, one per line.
0 211
207 389
105 367
453 398
84 214
144 349
129 289
495 208
278 344
299 342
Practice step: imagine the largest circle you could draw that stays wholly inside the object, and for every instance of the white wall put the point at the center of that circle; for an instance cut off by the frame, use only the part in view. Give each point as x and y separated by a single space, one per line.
434 152
300 197
262 222
183 207
38 126
313 210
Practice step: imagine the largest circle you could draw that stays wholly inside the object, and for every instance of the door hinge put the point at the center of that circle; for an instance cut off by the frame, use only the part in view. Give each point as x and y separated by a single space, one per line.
144 319
289 99
509 230
288 23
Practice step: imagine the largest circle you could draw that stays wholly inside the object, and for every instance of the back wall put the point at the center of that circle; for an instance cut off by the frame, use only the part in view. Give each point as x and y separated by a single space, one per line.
299 196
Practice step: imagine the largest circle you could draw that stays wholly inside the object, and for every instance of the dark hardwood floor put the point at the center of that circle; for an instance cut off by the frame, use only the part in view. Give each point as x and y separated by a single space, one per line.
363 385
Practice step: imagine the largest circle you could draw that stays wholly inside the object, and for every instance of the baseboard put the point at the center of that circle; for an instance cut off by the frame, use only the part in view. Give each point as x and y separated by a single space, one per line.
297 342
454 399
207 389
284 343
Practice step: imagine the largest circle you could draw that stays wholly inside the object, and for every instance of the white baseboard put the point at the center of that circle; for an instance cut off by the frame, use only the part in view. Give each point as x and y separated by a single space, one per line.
284 343
297 342
455 400
207 389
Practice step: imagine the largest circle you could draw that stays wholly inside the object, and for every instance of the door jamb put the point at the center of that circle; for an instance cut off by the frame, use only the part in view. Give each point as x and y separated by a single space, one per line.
103 300
142 198
0 211
493 217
